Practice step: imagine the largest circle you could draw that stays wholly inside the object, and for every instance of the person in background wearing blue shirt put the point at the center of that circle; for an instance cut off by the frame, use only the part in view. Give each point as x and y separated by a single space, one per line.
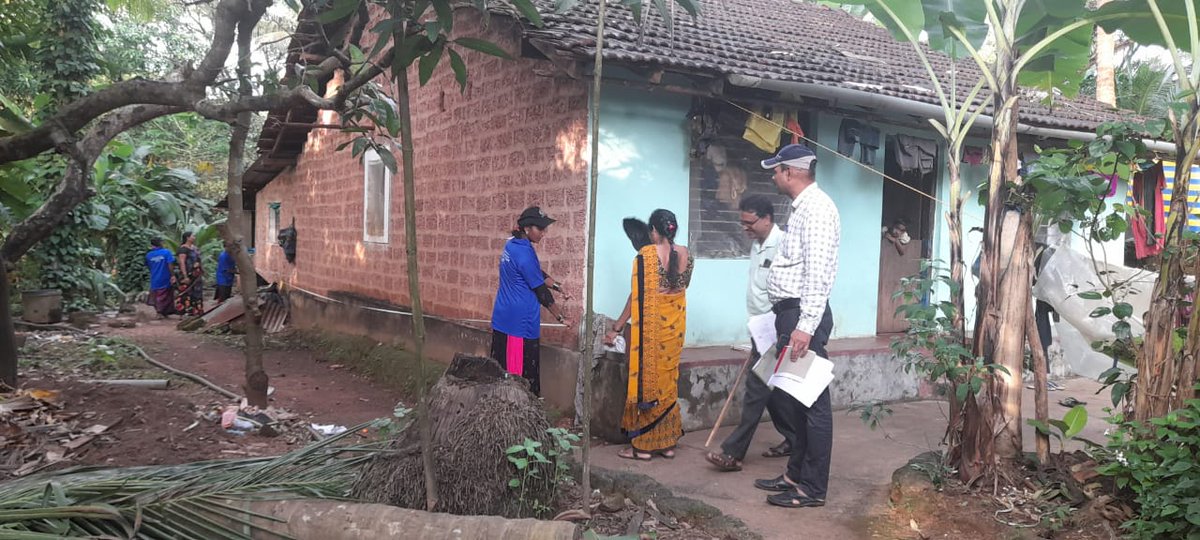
524 290
226 274
161 263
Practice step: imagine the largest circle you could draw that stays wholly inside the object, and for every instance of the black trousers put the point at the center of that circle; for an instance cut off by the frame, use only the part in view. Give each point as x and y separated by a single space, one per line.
809 429
1041 316
754 402
531 358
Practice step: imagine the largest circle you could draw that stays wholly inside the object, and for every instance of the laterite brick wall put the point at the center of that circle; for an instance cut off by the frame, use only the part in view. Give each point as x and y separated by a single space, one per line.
513 139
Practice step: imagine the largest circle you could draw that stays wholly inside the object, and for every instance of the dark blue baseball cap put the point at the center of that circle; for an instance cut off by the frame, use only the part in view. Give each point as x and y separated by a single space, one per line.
792 155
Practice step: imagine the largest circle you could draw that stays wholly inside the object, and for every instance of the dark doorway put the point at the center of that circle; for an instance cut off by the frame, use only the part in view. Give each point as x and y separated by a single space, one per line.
908 203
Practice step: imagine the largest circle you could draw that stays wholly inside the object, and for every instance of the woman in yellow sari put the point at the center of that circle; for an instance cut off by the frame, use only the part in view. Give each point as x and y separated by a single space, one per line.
657 308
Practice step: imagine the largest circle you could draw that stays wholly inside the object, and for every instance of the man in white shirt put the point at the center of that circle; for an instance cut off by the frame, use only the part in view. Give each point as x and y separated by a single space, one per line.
801 279
758 220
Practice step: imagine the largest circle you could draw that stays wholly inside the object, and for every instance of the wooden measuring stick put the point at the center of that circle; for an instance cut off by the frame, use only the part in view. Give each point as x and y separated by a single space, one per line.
736 384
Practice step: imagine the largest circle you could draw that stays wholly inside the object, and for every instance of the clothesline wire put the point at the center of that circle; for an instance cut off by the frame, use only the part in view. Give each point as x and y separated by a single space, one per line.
840 156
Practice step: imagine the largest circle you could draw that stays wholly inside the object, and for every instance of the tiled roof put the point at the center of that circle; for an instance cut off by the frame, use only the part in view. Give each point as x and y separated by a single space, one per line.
786 40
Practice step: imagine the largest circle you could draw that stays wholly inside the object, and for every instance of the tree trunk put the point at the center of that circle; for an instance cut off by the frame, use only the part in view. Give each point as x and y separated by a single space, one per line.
954 435
400 73
1041 407
587 341
1165 377
235 226
70 192
1106 77
1004 285
8 341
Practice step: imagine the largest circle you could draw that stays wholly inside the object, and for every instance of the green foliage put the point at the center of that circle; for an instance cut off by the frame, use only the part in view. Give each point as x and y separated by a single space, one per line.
1070 194
932 346
70 60
1068 427
1158 462
99 253
533 462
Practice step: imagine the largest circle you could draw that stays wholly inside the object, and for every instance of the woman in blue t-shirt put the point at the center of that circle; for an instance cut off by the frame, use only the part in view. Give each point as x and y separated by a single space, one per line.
524 289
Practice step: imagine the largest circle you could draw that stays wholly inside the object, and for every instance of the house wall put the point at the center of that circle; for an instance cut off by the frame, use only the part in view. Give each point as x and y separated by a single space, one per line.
511 140
644 165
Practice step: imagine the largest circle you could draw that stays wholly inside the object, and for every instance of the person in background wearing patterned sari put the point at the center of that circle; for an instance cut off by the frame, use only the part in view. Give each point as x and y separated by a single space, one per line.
189 298
657 308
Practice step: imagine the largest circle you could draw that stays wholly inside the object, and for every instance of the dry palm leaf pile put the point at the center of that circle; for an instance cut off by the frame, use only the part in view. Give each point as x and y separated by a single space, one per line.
202 501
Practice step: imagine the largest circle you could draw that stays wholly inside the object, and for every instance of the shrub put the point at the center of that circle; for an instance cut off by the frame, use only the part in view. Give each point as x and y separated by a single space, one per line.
1157 461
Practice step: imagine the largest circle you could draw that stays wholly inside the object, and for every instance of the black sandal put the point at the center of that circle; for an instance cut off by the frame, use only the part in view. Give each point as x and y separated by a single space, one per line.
775 484
793 498
724 462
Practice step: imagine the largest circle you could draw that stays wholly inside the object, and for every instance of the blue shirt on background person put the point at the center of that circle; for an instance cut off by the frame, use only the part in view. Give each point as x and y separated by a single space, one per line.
159 261
226 268
517 311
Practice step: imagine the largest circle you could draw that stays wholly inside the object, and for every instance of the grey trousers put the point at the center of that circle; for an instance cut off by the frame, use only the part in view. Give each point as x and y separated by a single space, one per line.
754 402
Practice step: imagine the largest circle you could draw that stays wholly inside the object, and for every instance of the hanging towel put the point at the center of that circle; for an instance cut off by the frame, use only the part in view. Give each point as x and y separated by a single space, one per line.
915 153
762 132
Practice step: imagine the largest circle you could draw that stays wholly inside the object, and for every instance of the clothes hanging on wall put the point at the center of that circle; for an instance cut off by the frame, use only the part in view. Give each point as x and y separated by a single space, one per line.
1147 192
914 154
854 133
763 129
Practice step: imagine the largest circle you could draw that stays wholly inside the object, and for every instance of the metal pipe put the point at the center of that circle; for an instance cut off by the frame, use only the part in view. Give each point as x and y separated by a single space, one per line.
892 104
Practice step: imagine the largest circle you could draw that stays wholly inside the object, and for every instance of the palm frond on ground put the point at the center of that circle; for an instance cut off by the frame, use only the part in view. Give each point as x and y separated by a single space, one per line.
199 501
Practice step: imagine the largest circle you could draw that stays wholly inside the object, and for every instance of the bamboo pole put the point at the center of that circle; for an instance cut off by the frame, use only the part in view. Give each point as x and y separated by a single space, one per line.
588 338
737 383
424 423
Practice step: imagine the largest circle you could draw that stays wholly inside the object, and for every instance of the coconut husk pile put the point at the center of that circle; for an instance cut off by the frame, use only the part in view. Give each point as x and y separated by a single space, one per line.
477 413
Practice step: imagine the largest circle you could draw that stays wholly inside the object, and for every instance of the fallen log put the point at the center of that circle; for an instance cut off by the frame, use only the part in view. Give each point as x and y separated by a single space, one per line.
316 519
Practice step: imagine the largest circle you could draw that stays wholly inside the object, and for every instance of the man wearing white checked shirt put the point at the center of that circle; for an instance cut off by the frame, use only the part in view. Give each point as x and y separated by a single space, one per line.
801 279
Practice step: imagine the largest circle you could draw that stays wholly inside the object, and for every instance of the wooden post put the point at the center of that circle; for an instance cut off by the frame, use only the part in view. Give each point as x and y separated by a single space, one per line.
587 339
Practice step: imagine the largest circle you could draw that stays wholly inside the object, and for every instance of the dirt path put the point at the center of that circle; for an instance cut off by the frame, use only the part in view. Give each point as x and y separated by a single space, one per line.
176 425
304 383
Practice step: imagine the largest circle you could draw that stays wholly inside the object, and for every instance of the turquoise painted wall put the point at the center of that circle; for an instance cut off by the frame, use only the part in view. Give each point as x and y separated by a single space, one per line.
644 165
644 142
858 194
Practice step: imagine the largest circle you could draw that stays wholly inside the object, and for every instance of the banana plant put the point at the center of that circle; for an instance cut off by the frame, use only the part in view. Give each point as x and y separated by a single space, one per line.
1166 373
1043 43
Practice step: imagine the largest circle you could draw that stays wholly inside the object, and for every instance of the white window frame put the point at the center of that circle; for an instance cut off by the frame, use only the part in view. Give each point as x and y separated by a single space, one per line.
273 216
370 157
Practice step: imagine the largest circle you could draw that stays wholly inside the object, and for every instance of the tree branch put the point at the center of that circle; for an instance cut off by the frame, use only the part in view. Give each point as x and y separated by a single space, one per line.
75 115
75 186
